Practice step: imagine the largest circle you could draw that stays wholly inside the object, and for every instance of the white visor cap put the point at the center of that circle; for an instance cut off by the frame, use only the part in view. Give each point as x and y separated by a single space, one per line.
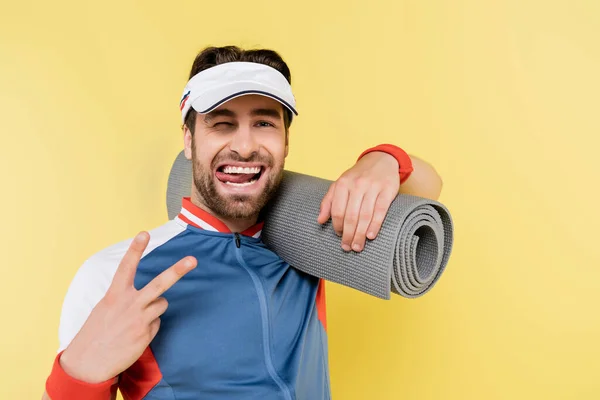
214 86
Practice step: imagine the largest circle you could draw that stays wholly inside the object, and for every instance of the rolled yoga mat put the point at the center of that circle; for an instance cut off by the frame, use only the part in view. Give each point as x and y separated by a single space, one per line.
407 257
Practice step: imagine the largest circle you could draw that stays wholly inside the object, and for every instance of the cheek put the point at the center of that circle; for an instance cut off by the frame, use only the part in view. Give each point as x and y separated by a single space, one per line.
275 145
205 151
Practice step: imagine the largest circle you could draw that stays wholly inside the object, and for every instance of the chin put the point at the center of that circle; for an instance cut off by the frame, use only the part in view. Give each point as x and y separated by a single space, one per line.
238 189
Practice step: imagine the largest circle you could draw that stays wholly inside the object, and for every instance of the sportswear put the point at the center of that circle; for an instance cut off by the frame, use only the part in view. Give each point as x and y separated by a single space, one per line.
242 324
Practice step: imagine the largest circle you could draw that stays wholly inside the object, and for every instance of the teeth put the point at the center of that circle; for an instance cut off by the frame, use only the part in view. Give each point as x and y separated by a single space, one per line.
241 170
241 184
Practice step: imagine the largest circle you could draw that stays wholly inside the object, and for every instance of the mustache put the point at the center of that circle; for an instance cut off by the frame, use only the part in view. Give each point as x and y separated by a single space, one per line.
254 157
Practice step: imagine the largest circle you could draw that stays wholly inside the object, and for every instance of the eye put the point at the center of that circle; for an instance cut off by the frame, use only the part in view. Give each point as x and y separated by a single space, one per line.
223 124
265 124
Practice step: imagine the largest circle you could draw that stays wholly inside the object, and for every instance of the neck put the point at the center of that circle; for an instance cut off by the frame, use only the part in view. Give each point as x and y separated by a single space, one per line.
234 224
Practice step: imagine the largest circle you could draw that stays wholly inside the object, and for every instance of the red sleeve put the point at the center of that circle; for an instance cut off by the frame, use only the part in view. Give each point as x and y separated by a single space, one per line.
404 161
321 304
61 386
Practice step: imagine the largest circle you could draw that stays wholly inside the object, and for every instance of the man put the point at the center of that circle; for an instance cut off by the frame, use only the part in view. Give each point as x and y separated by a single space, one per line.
228 319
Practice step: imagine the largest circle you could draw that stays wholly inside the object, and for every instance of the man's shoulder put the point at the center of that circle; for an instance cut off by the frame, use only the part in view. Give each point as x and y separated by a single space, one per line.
158 237
101 266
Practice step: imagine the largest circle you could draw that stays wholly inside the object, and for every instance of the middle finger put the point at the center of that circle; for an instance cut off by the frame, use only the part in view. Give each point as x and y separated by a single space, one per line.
351 217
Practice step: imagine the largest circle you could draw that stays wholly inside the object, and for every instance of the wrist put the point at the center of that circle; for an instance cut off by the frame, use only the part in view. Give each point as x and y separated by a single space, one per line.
61 385
80 367
405 167
381 157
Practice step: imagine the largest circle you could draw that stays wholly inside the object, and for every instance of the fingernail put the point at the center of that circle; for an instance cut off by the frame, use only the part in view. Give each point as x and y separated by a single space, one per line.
356 247
370 235
346 247
139 238
189 262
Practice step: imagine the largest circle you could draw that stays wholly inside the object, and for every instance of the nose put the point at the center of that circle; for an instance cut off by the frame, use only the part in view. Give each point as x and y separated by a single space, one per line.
244 142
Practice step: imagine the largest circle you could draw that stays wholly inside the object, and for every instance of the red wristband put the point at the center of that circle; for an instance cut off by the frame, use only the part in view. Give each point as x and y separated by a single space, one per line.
61 386
404 161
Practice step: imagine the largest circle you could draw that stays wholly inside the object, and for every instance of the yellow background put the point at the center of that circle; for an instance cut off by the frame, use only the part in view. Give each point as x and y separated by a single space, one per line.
502 97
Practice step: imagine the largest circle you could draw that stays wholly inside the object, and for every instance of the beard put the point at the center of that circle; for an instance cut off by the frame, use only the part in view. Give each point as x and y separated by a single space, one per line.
234 206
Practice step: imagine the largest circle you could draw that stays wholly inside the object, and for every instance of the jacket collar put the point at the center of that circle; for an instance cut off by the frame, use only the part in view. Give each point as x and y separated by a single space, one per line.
193 215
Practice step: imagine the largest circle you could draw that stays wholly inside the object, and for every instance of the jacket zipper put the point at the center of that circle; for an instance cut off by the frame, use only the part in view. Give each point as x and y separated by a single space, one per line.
264 312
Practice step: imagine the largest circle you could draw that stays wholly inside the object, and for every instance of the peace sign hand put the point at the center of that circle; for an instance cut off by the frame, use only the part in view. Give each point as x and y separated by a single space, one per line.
124 322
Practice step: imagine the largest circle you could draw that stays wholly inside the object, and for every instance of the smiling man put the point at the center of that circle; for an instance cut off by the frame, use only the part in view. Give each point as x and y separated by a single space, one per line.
200 308
232 179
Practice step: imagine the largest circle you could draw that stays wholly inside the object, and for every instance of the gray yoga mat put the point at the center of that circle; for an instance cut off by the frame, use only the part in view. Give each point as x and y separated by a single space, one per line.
407 257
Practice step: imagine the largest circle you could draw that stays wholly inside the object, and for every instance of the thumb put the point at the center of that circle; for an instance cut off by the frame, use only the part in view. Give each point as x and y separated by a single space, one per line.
325 211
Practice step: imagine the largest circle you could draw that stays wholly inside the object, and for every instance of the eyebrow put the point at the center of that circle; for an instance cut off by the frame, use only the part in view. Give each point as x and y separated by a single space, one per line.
257 112
222 112
265 112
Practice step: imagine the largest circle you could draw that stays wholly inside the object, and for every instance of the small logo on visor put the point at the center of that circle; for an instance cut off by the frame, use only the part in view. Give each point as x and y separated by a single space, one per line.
183 100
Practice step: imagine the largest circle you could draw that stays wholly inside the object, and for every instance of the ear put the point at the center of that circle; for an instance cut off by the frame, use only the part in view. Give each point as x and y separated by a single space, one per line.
287 143
187 142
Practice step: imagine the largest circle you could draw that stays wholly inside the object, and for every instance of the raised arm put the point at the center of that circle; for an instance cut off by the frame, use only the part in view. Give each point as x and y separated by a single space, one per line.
114 334
358 201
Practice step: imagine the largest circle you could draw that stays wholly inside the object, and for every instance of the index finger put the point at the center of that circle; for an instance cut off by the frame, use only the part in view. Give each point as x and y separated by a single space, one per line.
157 286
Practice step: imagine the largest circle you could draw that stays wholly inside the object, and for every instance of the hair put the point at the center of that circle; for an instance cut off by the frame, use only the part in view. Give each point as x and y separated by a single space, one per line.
212 56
